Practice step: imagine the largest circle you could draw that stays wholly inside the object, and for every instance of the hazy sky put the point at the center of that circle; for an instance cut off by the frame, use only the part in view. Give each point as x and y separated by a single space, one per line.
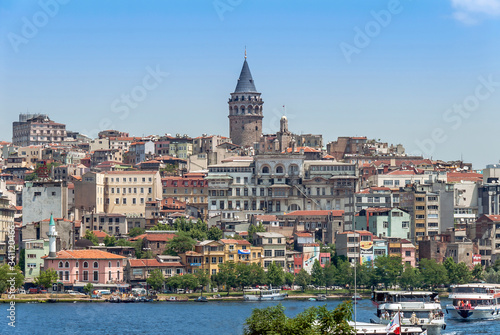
422 73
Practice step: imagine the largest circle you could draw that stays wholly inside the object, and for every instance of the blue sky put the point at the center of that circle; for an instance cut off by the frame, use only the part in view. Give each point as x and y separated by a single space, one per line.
421 73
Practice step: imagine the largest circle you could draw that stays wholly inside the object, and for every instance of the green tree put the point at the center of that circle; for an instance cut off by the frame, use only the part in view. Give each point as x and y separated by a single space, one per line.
88 288
179 244
344 274
464 274
6 276
110 241
312 321
124 243
156 279
457 273
203 278
275 275
136 231
388 269
477 272
432 273
255 229
410 278
214 233
227 275
91 237
189 281
303 279
22 258
289 278
317 274
330 270
46 278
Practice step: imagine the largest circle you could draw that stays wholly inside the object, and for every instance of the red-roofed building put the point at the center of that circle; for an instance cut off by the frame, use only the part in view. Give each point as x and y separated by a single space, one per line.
86 266
155 241
138 270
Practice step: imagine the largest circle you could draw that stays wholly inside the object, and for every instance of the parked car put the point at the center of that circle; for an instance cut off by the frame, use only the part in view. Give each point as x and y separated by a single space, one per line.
33 290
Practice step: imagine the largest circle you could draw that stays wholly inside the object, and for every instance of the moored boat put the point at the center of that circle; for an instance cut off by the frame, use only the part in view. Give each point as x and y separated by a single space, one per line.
418 308
474 301
263 295
374 329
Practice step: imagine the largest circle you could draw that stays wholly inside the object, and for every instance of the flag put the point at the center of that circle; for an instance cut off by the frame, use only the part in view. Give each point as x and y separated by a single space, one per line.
395 325
243 252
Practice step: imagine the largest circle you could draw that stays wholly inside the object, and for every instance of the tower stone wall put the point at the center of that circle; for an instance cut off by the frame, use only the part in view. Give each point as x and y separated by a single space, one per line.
245 111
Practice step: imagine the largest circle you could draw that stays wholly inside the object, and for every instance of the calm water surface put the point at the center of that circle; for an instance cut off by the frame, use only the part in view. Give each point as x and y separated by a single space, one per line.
175 318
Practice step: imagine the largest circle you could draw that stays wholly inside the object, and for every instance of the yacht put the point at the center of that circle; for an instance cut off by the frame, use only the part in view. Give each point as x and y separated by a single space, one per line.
418 308
474 301
263 295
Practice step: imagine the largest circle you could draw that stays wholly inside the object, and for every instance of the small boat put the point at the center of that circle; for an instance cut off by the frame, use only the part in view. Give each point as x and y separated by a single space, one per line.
321 297
356 297
176 299
263 295
474 301
201 299
312 299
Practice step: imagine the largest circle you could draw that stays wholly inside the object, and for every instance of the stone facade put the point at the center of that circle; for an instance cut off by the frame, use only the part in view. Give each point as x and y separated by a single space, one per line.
245 111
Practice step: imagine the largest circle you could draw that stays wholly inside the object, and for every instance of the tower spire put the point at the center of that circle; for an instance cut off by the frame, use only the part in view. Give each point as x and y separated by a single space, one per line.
245 52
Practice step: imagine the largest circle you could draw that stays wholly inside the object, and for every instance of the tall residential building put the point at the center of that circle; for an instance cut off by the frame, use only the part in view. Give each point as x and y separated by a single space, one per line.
121 192
36 129
245 110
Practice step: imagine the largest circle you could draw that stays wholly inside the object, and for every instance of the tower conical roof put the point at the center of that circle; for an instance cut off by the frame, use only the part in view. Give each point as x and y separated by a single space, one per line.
245 81
51 222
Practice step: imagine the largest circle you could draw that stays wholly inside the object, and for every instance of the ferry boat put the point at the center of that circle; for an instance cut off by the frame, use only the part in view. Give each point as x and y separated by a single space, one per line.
474 301
263 295
364 328
418 308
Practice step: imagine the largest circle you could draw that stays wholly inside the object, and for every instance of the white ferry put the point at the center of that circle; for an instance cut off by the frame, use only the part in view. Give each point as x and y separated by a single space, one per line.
364 328
418 308
474 301
263 295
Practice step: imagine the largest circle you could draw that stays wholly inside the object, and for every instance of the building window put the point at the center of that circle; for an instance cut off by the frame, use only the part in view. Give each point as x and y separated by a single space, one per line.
220 260
66 275
60 264
85 264
268 253
214 260
66 265
96 275
96 265
85 275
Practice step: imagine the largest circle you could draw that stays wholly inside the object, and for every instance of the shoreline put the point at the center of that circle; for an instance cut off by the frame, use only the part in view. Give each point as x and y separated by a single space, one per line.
53 298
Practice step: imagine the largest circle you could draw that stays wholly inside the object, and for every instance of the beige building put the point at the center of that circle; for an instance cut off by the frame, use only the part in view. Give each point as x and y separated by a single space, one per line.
122 192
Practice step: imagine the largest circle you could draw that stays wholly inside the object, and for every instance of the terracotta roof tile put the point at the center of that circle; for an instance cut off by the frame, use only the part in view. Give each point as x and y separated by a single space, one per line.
86 254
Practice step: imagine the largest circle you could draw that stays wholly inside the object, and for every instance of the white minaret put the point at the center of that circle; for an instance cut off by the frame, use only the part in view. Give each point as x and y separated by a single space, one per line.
52 234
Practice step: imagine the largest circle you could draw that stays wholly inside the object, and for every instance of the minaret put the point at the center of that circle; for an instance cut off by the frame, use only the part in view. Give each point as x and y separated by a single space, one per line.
52 234
245 110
